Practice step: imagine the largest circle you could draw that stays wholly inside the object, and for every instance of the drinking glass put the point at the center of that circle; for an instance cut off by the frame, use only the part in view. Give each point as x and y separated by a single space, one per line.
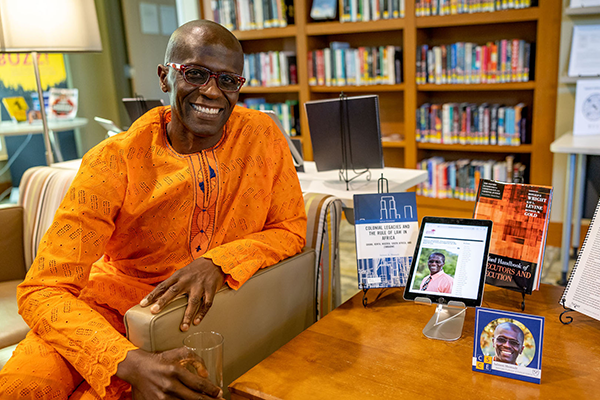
209 346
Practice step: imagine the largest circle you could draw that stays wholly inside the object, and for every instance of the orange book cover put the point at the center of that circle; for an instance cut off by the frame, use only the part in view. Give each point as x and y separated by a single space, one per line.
521 214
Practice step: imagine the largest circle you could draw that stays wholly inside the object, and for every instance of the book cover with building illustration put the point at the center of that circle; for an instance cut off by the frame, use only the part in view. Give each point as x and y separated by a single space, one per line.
386 230
521 214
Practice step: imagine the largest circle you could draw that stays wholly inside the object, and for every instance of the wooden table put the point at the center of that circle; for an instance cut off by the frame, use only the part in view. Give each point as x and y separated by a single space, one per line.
380 353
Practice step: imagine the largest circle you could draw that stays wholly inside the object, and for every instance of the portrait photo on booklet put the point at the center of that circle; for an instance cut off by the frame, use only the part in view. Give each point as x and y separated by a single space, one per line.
508 344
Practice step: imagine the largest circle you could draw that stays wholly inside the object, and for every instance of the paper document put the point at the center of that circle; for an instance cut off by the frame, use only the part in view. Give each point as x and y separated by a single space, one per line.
582 293
585 51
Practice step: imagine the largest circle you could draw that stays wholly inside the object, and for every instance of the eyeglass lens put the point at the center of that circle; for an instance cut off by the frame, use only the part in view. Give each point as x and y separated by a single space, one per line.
503 340
199 76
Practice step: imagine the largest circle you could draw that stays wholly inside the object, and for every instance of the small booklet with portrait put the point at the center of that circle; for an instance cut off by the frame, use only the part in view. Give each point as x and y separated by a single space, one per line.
508 344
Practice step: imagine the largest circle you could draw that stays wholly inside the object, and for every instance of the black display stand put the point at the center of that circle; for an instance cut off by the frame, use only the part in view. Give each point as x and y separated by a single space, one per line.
567 318
347 163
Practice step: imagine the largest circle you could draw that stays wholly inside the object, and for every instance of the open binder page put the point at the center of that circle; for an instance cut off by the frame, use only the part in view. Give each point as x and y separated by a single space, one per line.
582 293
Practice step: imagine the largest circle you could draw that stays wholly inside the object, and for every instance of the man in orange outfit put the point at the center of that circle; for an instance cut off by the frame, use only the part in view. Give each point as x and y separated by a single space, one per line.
190 197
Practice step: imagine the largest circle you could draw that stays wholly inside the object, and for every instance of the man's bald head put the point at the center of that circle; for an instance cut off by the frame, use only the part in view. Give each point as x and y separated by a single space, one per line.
207 32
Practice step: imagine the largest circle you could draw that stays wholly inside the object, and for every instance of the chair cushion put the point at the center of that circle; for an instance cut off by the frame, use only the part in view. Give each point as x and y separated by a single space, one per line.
12 327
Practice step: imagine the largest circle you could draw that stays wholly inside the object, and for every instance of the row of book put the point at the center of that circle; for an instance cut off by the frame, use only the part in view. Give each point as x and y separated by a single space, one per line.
450 7
370 10
502 61
288 112
459 179
272 68
340 65
468 123
253 14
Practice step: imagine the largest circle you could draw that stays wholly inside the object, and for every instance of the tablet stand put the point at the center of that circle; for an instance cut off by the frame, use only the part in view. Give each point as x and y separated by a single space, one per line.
347 146
447 321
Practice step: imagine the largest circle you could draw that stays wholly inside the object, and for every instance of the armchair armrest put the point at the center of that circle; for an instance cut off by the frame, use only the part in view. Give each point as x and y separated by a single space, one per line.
270 309
12 271
12 256
324 215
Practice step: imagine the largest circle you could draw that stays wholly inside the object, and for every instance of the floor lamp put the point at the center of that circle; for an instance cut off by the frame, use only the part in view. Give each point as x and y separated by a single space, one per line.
48 26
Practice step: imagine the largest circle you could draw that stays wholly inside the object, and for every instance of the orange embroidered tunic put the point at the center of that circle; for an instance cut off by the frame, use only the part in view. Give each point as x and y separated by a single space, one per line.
137 211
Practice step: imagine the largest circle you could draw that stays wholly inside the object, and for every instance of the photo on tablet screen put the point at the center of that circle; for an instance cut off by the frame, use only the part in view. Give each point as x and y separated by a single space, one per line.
436 270
450 259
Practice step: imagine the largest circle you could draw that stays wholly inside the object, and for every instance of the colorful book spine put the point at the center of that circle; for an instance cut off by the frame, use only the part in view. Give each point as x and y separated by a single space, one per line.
346 66
454 7
459 179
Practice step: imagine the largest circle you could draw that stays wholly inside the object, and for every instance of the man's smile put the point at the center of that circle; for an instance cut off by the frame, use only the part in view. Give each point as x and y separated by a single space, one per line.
206 110
507 354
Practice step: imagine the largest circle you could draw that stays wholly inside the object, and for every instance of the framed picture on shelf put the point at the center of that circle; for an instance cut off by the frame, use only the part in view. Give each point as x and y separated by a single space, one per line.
585 51
587 107
323 9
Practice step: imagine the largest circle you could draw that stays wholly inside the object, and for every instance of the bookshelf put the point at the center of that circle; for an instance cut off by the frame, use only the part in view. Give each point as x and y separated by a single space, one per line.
398 103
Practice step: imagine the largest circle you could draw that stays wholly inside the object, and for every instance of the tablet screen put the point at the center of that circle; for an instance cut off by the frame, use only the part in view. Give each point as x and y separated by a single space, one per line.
450 260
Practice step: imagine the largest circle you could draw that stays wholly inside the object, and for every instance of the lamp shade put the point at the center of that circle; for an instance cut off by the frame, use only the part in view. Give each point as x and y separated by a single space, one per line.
62 26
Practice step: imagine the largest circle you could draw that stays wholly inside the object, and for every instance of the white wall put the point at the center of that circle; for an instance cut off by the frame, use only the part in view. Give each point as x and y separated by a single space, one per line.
565 107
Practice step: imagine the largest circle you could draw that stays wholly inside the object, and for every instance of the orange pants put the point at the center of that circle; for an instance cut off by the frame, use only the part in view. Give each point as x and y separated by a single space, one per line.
37 371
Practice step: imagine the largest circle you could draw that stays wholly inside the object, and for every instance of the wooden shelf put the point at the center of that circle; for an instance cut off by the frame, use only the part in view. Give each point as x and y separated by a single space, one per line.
522 149
270 89
334 28
398 103
455 204
269 33
571 80
361 88
398 144
465 87
583 10
485 18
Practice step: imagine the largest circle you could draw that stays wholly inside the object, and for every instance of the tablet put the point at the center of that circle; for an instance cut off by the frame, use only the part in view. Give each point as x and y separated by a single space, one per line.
450 260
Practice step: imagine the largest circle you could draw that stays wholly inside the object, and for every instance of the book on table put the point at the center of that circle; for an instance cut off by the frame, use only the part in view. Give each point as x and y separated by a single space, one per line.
581 292
386 230
521 214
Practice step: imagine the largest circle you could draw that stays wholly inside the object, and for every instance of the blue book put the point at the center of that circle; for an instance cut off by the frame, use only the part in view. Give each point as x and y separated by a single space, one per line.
453 49
510 126
386 230
508 344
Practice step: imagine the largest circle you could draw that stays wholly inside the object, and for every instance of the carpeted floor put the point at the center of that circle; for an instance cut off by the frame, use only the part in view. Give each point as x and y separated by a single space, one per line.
551 272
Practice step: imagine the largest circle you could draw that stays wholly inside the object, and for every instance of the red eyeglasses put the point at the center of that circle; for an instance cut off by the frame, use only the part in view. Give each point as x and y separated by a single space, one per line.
199 76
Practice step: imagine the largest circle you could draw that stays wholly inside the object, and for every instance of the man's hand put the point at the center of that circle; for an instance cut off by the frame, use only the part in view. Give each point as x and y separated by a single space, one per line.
172 374
200 280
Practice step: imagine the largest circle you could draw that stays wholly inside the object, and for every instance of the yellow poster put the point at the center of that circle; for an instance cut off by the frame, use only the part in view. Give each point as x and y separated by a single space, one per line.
16 70
16 107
